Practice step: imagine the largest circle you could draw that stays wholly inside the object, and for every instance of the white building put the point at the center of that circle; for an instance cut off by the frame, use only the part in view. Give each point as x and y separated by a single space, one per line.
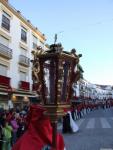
18 37
87 90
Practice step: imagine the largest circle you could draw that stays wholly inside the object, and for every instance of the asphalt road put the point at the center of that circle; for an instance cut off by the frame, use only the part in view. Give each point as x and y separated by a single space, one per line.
95 132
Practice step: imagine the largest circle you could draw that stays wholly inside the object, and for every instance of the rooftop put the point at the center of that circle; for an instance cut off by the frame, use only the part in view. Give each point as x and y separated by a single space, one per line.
20 16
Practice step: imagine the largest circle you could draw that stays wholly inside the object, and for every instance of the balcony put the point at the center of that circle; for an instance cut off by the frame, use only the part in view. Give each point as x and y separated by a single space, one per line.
5 51
23 60
4 81
24 85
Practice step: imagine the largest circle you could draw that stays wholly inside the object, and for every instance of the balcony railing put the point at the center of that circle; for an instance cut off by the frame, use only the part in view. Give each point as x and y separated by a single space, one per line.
4 81
23 60
24 85
5 51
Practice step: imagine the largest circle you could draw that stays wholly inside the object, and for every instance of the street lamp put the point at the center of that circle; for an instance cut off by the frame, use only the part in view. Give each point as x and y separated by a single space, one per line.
54 70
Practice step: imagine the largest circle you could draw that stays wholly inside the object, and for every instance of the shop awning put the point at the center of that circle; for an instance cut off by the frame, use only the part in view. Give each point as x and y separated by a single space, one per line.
3 93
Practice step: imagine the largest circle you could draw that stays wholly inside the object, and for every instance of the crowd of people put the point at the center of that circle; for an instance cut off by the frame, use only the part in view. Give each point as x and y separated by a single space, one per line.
14 123
79 110
12 126
18 126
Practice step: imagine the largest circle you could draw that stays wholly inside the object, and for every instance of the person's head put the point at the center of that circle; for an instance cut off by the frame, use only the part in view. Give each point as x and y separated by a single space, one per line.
73 51
35 114
13 116
4 115
5 123
11 110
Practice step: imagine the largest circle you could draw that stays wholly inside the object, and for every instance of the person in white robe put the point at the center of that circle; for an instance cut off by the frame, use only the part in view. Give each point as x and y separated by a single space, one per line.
73 125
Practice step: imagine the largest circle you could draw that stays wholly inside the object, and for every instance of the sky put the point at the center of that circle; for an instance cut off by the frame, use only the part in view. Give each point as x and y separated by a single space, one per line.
86 25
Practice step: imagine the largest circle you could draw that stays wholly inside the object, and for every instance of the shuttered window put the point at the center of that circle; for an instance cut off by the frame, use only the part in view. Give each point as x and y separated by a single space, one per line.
22 76
6 21
4 41
23 34
35 39
23 51
3 70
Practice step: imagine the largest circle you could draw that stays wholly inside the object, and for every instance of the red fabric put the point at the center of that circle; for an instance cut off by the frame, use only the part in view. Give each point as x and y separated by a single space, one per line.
24 85
4 80
65 110
39 132
9 117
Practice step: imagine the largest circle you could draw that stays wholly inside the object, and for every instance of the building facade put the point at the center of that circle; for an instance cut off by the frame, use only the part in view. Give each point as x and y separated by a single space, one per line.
96 93
18 37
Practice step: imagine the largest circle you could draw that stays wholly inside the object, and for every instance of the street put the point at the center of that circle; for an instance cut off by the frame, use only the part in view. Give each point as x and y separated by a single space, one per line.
95 132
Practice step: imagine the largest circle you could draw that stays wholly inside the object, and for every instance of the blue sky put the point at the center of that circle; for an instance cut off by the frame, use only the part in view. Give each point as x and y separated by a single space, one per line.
86 25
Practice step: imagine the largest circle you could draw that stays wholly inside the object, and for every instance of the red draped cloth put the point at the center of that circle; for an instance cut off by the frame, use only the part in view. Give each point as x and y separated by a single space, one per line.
39 132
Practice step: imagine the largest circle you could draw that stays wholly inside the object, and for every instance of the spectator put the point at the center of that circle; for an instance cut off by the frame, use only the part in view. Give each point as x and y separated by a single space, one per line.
6 131
15 128
22 126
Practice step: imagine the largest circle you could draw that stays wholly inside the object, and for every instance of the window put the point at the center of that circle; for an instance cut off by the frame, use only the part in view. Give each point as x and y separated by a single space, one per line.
3 70
24 34
35 42
4 41
6 21
22 76
23 51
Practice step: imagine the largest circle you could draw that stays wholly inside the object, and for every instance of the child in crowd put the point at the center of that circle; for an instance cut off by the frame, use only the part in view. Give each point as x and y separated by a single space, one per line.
7 135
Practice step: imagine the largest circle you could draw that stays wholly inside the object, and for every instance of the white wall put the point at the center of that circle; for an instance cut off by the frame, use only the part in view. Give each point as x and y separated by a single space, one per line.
15 33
